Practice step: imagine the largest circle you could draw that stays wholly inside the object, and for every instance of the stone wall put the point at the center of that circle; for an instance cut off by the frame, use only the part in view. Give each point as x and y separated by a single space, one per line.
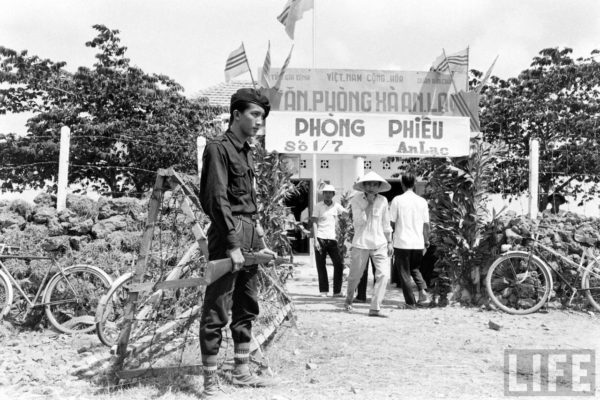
105 233
567 233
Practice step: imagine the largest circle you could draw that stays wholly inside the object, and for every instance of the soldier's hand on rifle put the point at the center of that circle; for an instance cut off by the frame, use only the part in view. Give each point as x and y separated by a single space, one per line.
237 259
268 251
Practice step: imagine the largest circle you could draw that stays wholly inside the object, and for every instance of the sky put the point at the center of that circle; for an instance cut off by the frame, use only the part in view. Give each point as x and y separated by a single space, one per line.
189 40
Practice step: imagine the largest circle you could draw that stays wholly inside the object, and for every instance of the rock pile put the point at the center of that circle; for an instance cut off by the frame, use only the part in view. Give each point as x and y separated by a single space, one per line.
567 233
83 231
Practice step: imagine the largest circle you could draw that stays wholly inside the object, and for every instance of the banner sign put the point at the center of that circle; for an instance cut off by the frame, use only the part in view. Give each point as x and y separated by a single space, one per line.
367 134
367 91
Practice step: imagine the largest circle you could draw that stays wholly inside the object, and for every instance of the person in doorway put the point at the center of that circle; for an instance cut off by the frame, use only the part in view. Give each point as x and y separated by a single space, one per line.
324 219
410 220
372 237
229 199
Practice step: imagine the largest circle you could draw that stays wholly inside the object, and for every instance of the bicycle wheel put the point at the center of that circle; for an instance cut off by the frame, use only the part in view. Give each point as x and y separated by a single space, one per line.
6 294
517 286
591 281
71 298
109 315
150 305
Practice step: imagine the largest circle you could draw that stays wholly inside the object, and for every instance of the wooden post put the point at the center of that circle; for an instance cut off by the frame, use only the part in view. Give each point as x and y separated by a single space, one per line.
200 145
359 167
312 204
534 172
63 168
142 263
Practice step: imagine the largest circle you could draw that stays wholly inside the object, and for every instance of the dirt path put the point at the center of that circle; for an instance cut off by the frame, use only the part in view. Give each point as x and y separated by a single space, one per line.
331 354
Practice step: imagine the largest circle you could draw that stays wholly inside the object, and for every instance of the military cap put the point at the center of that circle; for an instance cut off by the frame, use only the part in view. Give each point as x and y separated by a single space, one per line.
250 96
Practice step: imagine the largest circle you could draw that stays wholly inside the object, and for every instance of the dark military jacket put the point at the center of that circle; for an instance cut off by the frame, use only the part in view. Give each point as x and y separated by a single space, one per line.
227 184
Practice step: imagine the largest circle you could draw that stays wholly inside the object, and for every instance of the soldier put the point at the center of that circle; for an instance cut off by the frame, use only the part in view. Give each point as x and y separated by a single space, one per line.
229 199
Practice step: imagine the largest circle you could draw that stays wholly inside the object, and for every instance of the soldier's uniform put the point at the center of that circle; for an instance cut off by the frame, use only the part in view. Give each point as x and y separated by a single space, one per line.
228 197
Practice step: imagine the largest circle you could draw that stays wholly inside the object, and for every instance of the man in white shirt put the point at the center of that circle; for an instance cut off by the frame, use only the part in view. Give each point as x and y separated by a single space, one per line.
409 215
324 218
372 237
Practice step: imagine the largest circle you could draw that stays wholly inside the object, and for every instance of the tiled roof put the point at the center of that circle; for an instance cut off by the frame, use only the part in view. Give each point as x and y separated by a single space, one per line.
220 95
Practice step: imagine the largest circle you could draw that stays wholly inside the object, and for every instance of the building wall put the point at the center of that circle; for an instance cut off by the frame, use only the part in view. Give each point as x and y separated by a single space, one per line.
341 171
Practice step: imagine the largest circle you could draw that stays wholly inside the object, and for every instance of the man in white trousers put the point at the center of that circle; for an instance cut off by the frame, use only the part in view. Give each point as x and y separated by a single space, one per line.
372 237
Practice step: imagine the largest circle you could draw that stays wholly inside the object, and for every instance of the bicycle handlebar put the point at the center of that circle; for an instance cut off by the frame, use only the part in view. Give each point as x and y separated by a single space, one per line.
7 252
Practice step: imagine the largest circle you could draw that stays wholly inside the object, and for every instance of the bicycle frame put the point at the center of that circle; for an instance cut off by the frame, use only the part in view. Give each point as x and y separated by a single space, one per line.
13 281
587 252
34 303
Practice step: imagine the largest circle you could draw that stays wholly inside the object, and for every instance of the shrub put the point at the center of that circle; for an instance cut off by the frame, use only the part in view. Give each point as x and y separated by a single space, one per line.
273 185
344 227
462 230
84 207
21 207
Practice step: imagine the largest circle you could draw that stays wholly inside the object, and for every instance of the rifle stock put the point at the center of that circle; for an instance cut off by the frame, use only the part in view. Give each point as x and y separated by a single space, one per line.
217 268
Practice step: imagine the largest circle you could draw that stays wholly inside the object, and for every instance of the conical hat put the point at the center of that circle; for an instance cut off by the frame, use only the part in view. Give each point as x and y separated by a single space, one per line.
372 177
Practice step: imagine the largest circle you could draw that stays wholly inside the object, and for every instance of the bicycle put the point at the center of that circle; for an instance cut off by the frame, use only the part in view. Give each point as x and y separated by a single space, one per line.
520 282
69 297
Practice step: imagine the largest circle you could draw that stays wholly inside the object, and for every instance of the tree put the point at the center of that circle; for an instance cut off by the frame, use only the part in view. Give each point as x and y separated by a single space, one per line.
557 101
125 123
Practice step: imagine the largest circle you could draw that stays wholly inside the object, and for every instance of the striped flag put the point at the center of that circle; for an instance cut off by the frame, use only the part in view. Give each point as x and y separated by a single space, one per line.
486 76
292 12
266 69
237 63
467 105
285 65
457 62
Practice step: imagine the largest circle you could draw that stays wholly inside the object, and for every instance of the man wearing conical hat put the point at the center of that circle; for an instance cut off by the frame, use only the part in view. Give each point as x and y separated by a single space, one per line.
372 237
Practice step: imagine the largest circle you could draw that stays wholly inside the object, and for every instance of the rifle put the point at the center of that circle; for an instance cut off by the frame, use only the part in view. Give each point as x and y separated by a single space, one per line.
214 270
217 268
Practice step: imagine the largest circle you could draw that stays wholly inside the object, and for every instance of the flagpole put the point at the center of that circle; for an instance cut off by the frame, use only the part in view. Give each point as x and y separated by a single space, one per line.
314 24
449 69
486 76
314 154
265 73
467 83
248 64
282 72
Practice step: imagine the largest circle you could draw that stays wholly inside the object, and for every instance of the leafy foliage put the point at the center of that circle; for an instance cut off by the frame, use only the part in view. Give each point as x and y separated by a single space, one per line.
125 123
462 230
557 101
273 186
344 227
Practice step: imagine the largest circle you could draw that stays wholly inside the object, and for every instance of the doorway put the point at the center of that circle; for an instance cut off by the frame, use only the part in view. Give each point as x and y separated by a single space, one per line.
299 204
394 191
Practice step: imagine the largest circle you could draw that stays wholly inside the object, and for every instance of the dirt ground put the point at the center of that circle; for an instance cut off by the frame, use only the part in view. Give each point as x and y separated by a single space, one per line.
330 354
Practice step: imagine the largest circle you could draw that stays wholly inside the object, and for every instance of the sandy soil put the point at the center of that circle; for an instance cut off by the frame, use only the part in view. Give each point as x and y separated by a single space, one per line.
330 354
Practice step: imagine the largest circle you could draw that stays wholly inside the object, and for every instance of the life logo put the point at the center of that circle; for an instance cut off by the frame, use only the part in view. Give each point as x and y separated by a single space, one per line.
554 372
